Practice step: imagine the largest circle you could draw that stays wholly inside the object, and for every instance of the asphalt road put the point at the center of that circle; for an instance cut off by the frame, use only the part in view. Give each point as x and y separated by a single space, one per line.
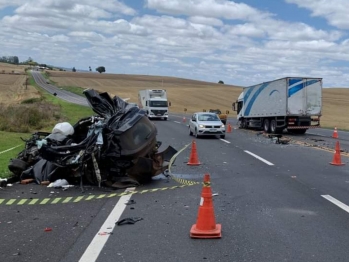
275 202
62 94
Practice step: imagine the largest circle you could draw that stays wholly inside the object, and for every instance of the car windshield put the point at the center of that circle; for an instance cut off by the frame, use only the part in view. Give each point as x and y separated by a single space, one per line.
208 117
158 103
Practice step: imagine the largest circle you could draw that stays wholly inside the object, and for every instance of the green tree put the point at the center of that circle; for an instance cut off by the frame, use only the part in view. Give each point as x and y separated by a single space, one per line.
74 70
15 60
220 82
100 69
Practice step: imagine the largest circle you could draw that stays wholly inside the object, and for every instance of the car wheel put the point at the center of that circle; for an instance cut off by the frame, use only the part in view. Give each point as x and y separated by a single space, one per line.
222 136
17 166
196 133
190 132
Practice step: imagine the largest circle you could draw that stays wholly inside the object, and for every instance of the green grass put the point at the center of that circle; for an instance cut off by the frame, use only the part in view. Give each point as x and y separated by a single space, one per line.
69 112
73 89
7 141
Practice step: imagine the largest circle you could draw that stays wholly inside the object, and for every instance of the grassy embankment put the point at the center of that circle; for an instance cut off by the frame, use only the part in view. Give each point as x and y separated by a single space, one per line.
45 112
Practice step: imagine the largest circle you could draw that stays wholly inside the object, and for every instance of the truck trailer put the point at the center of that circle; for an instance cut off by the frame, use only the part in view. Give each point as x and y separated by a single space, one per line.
154 102
292 103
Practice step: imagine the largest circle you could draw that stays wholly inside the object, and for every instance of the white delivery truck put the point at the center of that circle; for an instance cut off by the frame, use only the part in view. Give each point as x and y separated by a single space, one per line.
292 103
154 102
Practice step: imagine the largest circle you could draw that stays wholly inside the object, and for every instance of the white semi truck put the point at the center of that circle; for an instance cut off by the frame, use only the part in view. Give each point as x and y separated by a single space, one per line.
154 102
292 103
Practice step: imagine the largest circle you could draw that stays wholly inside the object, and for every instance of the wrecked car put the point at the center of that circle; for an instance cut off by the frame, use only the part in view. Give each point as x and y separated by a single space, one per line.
116 146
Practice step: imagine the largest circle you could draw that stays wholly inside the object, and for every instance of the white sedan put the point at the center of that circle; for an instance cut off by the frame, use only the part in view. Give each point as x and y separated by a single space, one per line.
206 124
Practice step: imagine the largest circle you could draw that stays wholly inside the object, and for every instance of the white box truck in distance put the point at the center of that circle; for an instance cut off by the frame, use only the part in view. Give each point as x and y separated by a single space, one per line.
154 102
292 103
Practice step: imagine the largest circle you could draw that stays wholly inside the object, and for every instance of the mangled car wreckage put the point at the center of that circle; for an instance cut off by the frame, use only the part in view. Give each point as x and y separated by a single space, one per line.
118 144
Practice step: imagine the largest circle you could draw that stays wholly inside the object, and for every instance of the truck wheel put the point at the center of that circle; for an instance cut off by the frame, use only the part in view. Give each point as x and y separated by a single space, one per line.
266 125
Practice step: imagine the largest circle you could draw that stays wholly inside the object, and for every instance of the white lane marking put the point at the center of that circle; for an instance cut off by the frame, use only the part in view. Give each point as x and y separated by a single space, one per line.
259 158
336 202
226 141
92 251
9 149
177 122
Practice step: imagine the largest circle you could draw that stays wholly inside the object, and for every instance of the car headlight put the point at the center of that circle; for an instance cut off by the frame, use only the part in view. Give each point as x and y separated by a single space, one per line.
201 126
222 126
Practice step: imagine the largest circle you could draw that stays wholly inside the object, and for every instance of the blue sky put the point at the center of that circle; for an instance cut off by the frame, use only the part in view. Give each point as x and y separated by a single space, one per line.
240 42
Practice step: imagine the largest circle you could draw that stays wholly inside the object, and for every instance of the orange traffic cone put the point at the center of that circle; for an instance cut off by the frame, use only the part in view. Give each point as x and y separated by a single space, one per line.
337 156
206 226
229 128
193 159
335 133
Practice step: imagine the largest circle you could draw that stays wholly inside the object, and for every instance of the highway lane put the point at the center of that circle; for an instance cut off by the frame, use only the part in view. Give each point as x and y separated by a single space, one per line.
62 94
266 214
320 137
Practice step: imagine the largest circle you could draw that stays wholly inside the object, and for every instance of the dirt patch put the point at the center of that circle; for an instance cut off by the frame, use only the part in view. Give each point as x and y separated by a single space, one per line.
13 89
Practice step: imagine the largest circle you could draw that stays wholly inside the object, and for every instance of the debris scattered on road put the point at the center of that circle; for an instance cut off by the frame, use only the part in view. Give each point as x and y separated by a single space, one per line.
129 220
130 202
59 183
116 148
105 233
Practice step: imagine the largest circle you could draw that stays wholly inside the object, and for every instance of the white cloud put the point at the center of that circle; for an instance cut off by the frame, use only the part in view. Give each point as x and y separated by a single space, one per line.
205 39
12 3
206 21
207 8
334 11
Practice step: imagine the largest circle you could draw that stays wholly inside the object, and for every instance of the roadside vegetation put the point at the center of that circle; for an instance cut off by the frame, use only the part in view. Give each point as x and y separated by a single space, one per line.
32 115
72 89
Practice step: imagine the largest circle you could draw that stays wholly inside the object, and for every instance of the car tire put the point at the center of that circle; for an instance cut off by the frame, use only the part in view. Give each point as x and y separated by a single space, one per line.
190 132
222 136
17 166
196 133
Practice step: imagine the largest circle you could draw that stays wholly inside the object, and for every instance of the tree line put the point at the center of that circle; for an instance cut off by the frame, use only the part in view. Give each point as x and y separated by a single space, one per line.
14 60
9 59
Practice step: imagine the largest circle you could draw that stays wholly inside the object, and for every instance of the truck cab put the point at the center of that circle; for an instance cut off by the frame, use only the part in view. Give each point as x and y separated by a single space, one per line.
237 106
154 102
